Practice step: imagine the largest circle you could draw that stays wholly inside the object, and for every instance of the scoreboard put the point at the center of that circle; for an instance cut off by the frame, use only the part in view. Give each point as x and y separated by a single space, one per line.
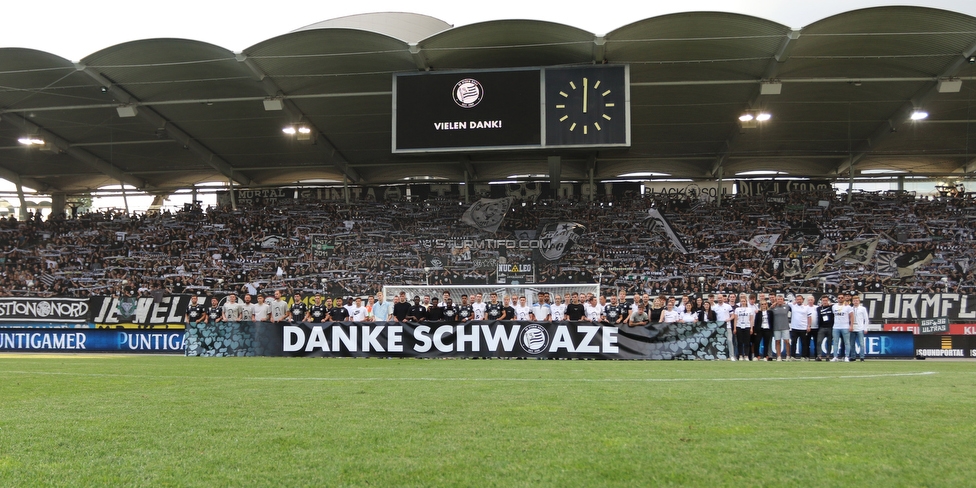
531 108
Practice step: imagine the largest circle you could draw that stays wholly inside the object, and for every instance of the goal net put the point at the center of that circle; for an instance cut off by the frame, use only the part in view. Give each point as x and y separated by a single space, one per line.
529 291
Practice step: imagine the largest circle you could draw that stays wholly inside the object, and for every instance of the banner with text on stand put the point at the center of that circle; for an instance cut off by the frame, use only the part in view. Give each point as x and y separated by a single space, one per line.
487 339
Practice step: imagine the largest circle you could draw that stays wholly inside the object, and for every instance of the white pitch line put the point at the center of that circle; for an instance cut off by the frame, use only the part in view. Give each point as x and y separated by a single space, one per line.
462 379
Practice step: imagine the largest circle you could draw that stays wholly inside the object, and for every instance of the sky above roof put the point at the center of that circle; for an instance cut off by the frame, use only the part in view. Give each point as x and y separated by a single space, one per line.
73 29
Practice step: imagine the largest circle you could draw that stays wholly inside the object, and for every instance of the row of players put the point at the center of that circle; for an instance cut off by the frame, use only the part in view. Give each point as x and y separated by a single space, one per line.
757 325
576 307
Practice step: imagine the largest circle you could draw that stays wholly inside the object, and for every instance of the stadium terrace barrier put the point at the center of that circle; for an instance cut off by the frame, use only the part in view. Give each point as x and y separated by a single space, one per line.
489 339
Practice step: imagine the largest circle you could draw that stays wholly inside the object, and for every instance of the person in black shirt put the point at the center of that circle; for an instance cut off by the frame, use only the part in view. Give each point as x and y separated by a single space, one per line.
215 311
495 310
338 312
509 308
298 309
195 313
318 312
465 310
401 308
575 310
825 318
435 313
417 312
611 311
450 311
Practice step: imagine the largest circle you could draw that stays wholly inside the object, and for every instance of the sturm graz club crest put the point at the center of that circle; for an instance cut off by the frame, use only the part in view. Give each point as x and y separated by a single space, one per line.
535 339
468 93
558 238
487 213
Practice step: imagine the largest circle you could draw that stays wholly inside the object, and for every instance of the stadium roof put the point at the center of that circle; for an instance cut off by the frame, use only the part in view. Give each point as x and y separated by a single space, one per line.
196 111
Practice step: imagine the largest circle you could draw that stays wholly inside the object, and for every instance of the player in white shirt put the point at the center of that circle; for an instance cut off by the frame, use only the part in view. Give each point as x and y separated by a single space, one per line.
592 310
357 312
522 311
479 307
670 315
261 310
540 310
800 319
557 311
233 311
843 317
743 317
247 309
279 308
723 316
858 329
689 316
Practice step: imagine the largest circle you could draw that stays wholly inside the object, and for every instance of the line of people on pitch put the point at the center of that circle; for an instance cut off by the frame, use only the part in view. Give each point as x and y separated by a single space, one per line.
548 307
278 310
767 328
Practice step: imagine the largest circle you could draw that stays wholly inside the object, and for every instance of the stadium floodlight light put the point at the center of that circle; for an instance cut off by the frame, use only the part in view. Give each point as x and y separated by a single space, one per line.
304 130
746 117
31 141
290 130
273 104
919 115
763 116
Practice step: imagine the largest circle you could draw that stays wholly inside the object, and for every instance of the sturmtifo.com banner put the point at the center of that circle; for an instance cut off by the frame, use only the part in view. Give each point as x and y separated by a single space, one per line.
499 339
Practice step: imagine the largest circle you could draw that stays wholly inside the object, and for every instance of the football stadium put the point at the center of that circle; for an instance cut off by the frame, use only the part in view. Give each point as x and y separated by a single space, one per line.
384 250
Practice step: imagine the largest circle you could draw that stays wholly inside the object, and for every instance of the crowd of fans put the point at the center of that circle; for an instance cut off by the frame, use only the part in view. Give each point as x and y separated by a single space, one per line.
370 244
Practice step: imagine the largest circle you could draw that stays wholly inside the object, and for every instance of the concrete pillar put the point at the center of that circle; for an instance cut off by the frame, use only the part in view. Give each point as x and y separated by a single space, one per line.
58 203
555 175
233 198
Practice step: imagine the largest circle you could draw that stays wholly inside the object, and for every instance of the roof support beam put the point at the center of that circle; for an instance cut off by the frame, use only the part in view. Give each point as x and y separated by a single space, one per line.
969 167
16 179
772 69
174 132
273 90
468 167
80 154
600 50
901 115
418 57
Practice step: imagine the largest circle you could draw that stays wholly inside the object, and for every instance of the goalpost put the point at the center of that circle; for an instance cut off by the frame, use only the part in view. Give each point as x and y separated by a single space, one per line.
529 291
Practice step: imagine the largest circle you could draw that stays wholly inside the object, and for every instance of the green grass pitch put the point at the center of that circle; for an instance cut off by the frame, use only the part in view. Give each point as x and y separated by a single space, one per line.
175 421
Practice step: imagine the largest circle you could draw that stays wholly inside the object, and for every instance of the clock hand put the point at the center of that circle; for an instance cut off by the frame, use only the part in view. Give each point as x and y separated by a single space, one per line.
584 95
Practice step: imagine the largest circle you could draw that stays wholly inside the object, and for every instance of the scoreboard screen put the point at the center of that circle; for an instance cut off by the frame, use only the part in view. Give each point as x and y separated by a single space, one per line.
532 108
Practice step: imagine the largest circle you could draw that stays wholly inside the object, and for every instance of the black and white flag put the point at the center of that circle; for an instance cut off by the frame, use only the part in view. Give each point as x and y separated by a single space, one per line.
910 261
857 251
763 242
487 214
557 238
656 222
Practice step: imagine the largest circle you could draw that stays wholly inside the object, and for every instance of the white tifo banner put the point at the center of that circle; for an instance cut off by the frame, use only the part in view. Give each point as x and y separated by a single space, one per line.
530 292
705 191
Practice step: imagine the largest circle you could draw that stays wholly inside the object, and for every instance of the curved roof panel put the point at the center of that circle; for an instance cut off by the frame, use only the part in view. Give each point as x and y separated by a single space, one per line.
405 26
161 114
